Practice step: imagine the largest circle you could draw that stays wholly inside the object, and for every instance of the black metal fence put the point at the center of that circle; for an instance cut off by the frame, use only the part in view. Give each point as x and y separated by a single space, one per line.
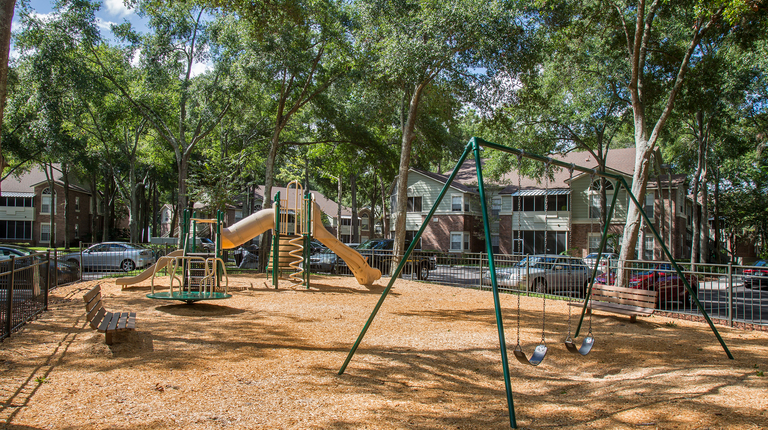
24 285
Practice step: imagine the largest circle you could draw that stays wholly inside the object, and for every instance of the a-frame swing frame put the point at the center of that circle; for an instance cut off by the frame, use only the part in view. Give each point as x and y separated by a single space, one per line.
474 145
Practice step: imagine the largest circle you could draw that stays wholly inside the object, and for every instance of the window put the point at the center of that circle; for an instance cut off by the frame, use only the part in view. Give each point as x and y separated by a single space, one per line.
596 185
414 204
46 201
16 230
456 241
648 248
495 243
77 231
45 232
456 203
496 209
346 221
19 202
557 202
409 235
77 204
365 225
648 207
393 202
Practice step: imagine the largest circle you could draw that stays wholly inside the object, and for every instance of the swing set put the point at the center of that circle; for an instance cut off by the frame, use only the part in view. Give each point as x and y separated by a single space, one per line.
541 350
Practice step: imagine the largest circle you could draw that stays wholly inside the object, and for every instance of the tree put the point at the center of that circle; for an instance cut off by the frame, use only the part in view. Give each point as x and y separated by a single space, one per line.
168 56
6 18
416 45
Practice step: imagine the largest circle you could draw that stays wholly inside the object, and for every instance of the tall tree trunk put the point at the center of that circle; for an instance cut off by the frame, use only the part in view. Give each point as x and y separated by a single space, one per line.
402 178
697 180
94 207
65 180
6 18
716 223
338 209
704 201
355 232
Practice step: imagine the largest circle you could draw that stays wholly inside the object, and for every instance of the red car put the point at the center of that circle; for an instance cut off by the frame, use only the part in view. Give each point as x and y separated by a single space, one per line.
658 277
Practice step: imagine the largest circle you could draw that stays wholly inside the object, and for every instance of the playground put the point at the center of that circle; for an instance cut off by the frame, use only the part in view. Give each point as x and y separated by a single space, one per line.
269 359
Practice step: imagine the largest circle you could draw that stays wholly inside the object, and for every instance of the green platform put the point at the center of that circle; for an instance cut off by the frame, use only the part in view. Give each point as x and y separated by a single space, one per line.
190 297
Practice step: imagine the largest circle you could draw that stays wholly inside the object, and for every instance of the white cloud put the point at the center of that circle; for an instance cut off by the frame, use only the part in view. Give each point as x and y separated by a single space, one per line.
117 8
104 25
200 68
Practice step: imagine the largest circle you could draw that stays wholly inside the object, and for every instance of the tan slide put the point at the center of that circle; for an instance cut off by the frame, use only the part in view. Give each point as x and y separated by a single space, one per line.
364 273
146 274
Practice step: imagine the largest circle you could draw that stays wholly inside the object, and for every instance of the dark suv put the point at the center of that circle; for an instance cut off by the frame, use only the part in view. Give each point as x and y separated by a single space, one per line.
378 252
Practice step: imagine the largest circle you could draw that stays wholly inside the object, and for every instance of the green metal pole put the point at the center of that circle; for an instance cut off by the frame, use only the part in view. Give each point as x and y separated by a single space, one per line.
679 272
603 240
405 258
275 241
495 287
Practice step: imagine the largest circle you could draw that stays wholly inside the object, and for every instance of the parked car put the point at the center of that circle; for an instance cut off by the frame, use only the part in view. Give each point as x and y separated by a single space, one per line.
547 273
378 252
112 255
316 246
65 272
206 244
660 277
757 277
608 259
324 261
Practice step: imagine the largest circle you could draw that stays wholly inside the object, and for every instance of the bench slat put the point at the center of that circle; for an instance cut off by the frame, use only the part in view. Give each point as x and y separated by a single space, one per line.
92 293
131 324
97 319
104 326
94 302
122 319
113 322
622 309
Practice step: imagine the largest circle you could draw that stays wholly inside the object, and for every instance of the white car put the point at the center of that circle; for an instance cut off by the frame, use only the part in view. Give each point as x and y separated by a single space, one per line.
607 259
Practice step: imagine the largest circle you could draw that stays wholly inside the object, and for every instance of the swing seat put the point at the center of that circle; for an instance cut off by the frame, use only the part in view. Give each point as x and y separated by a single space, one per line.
536 359
586 345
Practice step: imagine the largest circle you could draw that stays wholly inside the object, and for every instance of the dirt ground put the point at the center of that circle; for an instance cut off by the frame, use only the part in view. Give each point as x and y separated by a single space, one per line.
269 359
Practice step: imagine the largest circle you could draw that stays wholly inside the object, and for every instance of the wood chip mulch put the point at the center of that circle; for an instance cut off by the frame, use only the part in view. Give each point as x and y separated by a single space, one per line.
269 359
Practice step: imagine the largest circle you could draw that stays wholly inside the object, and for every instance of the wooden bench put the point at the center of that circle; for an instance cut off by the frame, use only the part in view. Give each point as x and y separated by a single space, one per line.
103 321
625 301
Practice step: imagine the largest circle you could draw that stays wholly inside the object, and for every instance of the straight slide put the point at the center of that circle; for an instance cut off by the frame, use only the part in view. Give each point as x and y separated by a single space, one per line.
147 273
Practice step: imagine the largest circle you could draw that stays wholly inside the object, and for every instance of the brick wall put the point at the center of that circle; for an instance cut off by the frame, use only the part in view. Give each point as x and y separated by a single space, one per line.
437 235
81 218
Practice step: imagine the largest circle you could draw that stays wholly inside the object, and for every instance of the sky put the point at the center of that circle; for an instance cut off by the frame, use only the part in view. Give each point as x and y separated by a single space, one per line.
111 12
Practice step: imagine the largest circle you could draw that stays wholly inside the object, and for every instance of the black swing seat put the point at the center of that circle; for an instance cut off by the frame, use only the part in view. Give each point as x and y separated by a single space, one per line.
536 359
586 345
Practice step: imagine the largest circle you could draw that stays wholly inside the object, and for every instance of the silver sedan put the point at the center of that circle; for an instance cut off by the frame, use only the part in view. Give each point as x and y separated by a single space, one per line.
112 255
544 274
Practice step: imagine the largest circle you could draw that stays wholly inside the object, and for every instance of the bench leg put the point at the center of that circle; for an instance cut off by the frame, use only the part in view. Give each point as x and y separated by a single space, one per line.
633 318
108 337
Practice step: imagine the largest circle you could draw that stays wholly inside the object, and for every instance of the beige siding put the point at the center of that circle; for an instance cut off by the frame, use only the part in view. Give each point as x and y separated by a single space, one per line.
580 201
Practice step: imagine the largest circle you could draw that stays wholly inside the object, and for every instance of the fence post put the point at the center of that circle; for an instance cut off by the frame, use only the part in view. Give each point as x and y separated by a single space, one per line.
480 280
9 296
729 285
48 278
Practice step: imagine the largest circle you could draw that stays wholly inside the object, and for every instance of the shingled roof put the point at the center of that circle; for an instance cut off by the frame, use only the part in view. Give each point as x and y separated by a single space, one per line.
620 161
327 205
